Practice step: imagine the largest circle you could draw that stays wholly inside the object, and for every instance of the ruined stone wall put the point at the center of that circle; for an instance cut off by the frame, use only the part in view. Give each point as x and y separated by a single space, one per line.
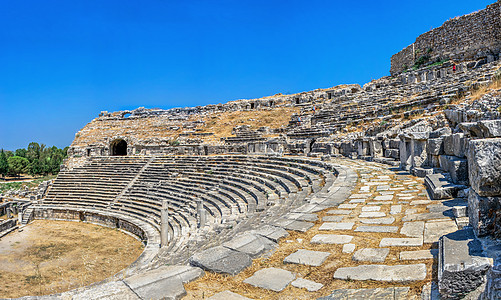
469 37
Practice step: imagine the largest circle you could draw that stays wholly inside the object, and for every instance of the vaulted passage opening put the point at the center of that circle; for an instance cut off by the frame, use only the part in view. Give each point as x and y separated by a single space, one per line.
118 147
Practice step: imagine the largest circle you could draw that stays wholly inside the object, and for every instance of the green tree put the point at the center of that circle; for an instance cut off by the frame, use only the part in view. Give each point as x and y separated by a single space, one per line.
21 152
4 164
17 164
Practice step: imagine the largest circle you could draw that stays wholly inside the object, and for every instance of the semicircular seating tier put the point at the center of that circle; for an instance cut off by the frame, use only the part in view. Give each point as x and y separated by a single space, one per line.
231 187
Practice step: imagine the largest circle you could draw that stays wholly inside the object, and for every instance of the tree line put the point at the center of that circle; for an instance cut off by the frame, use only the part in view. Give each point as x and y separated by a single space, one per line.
37 159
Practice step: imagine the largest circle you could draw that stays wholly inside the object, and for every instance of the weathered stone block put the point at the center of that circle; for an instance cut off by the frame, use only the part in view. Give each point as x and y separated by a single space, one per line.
462 267
484 164
439 187
483 212
436 146
448 145
490 128
460 143
456 167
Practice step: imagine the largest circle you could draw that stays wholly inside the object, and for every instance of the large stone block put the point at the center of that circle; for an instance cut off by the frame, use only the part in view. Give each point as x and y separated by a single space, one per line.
394 143
376 148
460 144
484 164
436 146
448 145
439 187
483 213
462 267
456 167
490 128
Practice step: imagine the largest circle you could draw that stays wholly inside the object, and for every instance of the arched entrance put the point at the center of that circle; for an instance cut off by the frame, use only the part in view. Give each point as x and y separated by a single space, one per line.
118 147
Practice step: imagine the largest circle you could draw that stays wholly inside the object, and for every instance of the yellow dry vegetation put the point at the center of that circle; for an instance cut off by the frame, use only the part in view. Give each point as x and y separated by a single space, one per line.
221 124
50 257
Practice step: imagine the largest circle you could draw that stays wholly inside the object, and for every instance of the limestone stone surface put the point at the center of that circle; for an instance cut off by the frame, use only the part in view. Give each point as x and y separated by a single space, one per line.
371 214
413 229
271 232
396 273
336 226
387 220
371 254
462 265
393 293
311 286
417 255
295 225
434 230
228 295
254 245
307 257
383 198
395 209
338 212
349 248
347 206
332 218
271 279
401 242
331 239
163 282
484 166
371 208
221 260
388 229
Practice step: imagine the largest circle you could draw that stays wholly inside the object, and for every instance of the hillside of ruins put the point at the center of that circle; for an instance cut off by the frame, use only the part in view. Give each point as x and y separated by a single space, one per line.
390 190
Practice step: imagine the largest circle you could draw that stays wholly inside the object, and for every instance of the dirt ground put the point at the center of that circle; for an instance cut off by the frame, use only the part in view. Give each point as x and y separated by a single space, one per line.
49 257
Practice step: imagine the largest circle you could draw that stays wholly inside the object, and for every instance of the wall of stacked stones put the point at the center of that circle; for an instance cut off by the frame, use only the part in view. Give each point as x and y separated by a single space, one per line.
468 37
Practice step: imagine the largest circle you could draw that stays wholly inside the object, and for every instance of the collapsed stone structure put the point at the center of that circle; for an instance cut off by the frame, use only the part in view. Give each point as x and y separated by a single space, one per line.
124 167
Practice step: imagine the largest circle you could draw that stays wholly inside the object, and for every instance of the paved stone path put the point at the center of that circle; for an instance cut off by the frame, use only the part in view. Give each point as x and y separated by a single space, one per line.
384 231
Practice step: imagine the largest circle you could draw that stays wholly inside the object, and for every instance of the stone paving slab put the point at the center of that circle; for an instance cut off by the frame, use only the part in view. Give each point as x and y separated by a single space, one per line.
307 257
385 221
371 254
163 282
357 200
397 273
426 216
383 198
349 248
336 226
434 230
311 286
347 206
221 260
395 209
228 295
271 279
300 226
371 208
413 229
302 217
332 218
271 232
116 290
331 239
367 228
372 214
419 254
401 242
339 212
252 244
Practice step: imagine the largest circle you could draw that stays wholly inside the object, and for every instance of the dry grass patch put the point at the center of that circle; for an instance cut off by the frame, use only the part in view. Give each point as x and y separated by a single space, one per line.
50 257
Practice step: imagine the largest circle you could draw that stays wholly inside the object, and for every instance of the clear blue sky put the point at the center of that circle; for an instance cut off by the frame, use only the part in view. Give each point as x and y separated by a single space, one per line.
62 62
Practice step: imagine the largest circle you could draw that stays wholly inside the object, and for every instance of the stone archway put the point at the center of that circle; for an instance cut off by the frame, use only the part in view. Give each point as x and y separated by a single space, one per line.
118 147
